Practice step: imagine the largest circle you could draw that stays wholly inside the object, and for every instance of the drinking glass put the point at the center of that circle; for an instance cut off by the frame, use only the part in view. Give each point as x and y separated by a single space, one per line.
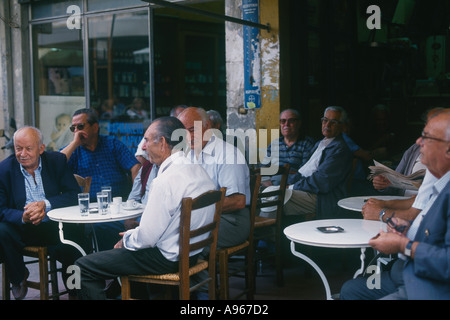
108 190
102 201
83 202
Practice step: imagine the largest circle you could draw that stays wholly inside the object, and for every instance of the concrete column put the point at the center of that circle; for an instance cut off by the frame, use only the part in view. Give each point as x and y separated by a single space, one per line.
267 116
15 74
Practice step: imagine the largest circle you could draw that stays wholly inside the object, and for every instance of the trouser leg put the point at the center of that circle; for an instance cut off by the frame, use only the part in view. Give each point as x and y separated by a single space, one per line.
98 267
300 203
11 247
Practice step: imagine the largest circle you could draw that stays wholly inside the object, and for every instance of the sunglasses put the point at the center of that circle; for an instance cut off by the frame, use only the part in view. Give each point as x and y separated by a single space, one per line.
393 225
289 121
79 126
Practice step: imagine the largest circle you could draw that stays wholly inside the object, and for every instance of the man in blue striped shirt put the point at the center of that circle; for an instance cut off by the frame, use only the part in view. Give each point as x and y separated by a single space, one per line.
292 147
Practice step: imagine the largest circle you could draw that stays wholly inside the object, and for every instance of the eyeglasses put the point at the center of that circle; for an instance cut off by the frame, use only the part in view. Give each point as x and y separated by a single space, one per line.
424 137
333 122
393 225
289 121
79 126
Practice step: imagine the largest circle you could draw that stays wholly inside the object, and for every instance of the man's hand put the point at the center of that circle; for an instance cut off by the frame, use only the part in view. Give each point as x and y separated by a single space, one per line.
389 242
119 244
371 209
34 212
380 182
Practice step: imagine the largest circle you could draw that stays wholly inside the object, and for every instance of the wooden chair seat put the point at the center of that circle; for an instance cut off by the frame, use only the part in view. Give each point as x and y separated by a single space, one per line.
201 265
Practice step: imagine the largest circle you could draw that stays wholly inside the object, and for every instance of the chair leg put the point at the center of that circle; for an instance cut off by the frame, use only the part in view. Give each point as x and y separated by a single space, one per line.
223 272
43 275
250 274
279 263
183 288
5 284
126 294
54 278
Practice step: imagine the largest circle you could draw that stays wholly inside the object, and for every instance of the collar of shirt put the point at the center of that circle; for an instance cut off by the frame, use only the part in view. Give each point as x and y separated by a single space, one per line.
38 169
176 157
208 149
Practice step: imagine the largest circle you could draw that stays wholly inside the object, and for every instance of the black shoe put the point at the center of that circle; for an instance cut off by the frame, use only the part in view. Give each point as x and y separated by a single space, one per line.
20 290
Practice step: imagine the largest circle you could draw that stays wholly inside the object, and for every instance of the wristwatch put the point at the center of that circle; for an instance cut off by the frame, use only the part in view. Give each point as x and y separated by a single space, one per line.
382 213
408 249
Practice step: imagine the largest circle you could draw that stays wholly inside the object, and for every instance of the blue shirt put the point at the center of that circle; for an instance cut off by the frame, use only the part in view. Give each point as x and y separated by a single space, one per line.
108 165
34 187
296 155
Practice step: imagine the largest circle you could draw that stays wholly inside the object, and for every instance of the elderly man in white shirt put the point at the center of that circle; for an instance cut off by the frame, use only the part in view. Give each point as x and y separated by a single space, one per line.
152 248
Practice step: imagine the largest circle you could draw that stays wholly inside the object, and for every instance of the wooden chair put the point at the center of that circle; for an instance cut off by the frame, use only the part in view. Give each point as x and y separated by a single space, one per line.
47 274
84 183
270 228
244 249
182 277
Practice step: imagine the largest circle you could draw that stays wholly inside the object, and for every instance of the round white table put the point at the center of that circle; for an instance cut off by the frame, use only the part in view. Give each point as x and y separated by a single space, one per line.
356 203
72 215
355 233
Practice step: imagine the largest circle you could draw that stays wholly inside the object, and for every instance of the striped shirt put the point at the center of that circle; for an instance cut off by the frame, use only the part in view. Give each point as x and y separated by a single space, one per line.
296 155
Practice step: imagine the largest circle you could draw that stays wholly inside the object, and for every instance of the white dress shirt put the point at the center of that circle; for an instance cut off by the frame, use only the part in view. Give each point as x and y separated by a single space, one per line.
177 178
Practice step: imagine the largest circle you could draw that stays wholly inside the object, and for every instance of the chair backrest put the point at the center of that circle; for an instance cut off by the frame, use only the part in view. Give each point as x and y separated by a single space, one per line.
186 234
273 198
84 183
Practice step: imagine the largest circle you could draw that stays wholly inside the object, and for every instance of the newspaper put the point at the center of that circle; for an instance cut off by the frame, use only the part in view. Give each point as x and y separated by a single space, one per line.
398 180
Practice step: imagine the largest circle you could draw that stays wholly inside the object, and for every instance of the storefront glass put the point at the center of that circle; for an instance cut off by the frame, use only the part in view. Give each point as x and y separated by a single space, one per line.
119 73
58 79
101 54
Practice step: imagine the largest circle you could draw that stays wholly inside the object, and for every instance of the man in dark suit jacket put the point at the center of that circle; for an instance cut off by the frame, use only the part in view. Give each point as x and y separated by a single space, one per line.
320 182
32 182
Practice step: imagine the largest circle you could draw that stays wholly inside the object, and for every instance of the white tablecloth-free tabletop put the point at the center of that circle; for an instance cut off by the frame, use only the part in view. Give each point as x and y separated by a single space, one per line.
72 215
356 203
356 233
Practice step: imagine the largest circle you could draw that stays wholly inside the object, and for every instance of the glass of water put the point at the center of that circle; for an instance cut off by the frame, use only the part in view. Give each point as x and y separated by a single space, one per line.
108 191
83 202
102 201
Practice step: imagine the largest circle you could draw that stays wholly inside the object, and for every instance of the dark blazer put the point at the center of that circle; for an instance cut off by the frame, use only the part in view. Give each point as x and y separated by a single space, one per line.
427 276
60 186
329 181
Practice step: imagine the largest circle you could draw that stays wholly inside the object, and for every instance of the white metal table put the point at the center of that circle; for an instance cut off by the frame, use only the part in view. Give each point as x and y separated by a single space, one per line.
355 233
356 203
72 215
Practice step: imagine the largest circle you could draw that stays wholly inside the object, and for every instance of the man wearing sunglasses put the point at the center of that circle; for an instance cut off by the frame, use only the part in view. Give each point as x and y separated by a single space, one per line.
320 182
292 147
106 159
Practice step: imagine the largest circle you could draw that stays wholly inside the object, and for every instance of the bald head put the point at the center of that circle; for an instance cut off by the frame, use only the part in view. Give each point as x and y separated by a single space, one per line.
196 122
435 144
28 147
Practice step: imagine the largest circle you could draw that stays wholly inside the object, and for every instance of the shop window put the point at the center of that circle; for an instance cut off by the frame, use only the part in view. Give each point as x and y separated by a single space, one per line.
119 54
94 5
58 78
51 9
